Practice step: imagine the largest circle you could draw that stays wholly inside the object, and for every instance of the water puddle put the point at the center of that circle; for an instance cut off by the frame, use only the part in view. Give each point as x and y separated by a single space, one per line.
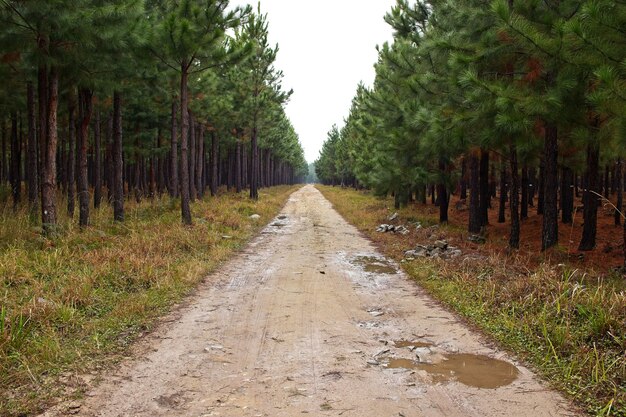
374 265
406 343
476 371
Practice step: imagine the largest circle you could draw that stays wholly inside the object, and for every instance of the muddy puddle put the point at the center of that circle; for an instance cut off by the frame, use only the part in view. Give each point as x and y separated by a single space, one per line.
476 371
408 344
374 265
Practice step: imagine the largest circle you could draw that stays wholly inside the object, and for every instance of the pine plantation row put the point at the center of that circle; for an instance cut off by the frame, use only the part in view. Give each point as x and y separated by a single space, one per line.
129 98
532 92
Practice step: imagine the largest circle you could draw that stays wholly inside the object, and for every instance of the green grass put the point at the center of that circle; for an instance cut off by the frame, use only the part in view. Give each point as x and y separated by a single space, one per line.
73 304
569 324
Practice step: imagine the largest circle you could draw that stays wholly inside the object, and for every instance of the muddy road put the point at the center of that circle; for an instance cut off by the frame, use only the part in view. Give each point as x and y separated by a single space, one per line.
311 320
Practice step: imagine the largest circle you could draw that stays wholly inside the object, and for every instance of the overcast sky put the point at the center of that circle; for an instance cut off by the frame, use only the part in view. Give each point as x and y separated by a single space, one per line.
325 48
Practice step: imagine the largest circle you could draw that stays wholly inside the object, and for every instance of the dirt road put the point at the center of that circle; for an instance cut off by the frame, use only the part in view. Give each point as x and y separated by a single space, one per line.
311 320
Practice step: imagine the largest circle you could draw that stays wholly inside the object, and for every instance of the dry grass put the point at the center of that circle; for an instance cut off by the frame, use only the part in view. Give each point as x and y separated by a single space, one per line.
567 321
68 305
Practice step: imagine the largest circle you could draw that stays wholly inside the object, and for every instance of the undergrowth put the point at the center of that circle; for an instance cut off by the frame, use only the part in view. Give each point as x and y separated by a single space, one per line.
71 304
569 323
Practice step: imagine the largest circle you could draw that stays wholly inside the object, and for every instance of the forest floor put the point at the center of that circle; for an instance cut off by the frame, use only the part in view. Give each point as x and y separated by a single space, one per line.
310 318
563 312
73 305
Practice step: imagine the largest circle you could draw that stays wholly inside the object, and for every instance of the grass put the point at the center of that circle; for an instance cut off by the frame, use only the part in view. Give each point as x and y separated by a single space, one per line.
73 304
569 323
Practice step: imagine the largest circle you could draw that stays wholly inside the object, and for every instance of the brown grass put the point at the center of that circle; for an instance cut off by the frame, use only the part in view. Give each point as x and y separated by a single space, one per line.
564 316
72 304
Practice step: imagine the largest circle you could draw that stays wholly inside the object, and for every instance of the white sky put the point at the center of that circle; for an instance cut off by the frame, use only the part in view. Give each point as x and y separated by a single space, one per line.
325 48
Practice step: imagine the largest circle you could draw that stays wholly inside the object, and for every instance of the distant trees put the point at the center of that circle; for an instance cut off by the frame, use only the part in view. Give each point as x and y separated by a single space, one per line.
136 98
472 90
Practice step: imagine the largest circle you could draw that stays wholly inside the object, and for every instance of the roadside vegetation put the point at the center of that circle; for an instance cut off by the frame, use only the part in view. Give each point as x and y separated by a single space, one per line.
565 319
72 304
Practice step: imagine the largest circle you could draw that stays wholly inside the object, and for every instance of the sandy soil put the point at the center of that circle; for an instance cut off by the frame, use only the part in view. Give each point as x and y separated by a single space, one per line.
308 320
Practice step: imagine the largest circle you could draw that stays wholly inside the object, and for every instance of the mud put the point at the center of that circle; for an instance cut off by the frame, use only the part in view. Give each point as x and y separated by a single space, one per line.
477 371
374 265
269 335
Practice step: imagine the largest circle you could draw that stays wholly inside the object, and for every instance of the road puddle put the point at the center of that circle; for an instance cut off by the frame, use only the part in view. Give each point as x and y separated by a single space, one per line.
476 371
374 265
406 343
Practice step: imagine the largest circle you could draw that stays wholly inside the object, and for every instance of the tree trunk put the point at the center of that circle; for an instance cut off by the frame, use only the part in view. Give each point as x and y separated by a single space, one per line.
174 153
184 150
541 187
138 174
200 162
463 182
502 205
3 162
442 194
254 171
192 157
48 173
590 199
475 218
550 227
118 164
42 132
485 195
85 110
32 171
214 168
238 165
160 164
108 160
16 156
567 195
525 191
514 200
71 157
97 139
619 184
607 190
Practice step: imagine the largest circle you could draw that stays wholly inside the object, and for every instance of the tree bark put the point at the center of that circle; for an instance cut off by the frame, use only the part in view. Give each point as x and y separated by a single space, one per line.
42 132
97 139
567 195
174 153
138 173
85 97
550 227
503 193
192 157
463 182
238 164
108 160
590 199
525 191
254 171
118 164
200 162
214 167
619 184
48 173
71 157
32 171
184 147
541 187
442 194
3 162
16 157
514 200
475 220
485 195
607 190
